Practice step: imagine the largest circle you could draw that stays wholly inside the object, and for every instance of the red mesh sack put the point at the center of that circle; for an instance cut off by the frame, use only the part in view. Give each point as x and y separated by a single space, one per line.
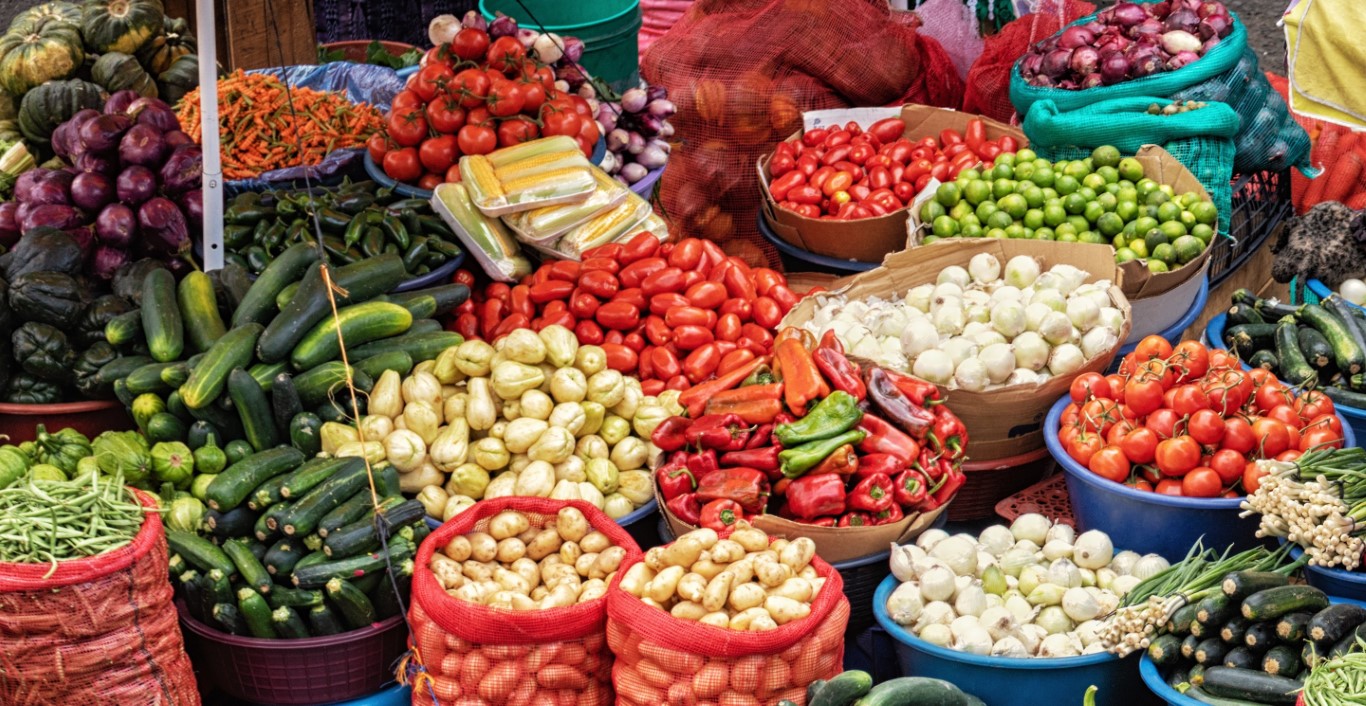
988 84
742 72
474 654
665 660
100 630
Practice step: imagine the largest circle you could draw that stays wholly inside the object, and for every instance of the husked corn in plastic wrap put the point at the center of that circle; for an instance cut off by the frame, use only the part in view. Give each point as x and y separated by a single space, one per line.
493 246
606 227
656 226
536 174
546 224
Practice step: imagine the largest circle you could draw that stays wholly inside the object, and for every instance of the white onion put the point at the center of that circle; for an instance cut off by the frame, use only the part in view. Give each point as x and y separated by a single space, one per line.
1149 566
1058 644
970 601
987 338
1009 647
930 537
905 604
1123 584
1021 271
1353 290
999 359
1064 573
1031 350
984 267
1080 605
1016 560
977 314
959 349
1093 550
956 275
946 292
1055 328
1057 549
1030 526
937 584
935 613
918 337
937 634
974 641
934 365
997 539
1054 620
971 375
919 297
1066 359
1098 341
1061 531
442 29
976 296
1008 318
1034 314
1082 312
1006 293
1111 318
1071 277
949 319
998 621
960 555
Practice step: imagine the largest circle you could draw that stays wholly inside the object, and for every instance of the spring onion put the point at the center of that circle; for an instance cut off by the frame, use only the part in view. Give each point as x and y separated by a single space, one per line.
1317 501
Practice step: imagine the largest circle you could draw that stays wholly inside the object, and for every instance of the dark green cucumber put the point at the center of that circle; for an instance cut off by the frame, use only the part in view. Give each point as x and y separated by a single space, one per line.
1331 624
1315 347
313 473
323 621
253 409
161 322
420 346
284 402
843 689
282 556
1232 632
164 426
121 368
351 568
294 597
1261 635
305 433
1294 368
1243 657
1196 693
353 509
1180 620
375 366
237 481
256 612
361 281
236 522
1188 646
1349 643
176 406
199 552
124 329
1346 398
315 385
258 306
387 602
1215 610
1165 650
1244 339
425 326
1238 585
288 623
356 325
1266 359
362 535
1293 627
207 380
446 296
1348 353
356 608
1272 603
1211 651
303 517
199 310
265 373
339 408
420 307
814 688
1244 314
147 379
230 619
1251 685
1342 312
913 690
248 566
1281 661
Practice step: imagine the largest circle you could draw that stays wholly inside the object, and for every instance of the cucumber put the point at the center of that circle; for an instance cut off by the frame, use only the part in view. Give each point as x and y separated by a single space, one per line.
1215 610
420 346
282 556
352 568
338 408
288 623
1342 311
1180 621
1272 603
256 613
248 566
1246 338
258 306
313 473
425 326
305 433
1346 398
843 689
164 426
265 373
355 508
199 552
253 409
236 522
284 402
356 608
922 691
303 517
176 406
1261 635
322 621
374 366
1265 359
1244 314
1234 630
420 307
161 322
1188 646
361 281
237 450
1293 366
1282 661
232 486
1293 627
1315 347
1331 624
175 374
363 536
124 329
1348 353
207 380
230 619
1211 651
446 296
1251 685
1205 697
813 688
219 586
1165 650
286 294
227 425
294 597
147 379
199 310
356 325
315 385
1268 308
387 602
1238 585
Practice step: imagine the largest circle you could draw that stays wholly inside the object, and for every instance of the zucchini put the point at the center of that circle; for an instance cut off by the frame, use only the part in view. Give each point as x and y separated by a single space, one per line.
1204 697
1214 611
1181 619
317 384
446 296
1243 657
256 613
322 621
1261 635
1315 347
310 559
161 322
374 366
356 608
248 566
164 426
1266 359
294 597
355 508
1251 685
1311 655
313 473
258 306
176 565
253 409
1342 311
1211 651
199 310
191 582
1331 624
284 403
258 549
363 534
1268 308
124 329
226 424
303 517
1281 661
236 522
387 602
230 619
1188 646
1165 650
386 482
263 529
420 346
232 486
1238 585
352 568
1293 627
1246 338
913 690
305 433
267 493
1348 353
1272 603
1346 398
1234 629
1350 642
199 552
361 281
207 380
843 689
1294 369
1244 314
282 556
288 623
1200 629
356 325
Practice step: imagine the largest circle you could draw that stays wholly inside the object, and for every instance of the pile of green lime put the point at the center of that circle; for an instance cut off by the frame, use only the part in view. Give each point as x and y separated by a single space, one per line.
1104 198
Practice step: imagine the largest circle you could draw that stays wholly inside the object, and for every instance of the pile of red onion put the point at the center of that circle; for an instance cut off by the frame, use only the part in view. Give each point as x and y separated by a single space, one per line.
132 190
1125 42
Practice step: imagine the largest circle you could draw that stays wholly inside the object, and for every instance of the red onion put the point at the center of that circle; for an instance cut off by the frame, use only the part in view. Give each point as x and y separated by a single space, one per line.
617 140
662 108
573 49
633 100
91 190
1055 63
1152 25
527 37
1146 66
655 93
1085 61
116 225
1076 36
607 118
1215 26
1114 67
1211 8
1092 81
503 26
633 172
1032 64
1209 44
1184 20
474 20
1181 59
1128 14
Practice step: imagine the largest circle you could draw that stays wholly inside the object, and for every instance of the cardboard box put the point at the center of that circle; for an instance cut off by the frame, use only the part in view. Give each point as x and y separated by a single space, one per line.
1006 421
1139 283
867 239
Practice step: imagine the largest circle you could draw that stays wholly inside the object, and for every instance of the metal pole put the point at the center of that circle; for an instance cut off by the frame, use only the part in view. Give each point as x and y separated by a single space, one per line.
213 162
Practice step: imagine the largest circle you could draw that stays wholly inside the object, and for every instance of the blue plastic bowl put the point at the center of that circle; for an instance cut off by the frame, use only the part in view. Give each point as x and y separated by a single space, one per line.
1173 333
1323 291
646 186
440 275
1004 681
797 260
1334 582
376 172
407 71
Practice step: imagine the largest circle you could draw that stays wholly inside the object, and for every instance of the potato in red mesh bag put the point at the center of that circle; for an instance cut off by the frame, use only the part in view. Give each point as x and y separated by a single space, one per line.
988 84
742 620
532 576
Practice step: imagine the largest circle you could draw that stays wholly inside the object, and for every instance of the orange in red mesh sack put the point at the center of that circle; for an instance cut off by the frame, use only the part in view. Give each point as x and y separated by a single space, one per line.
988 84
509 605
739 620
101 630
743 71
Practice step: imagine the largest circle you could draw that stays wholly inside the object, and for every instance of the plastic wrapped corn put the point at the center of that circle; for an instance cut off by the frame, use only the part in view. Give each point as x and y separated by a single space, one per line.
607 227
493 246
545 225
536 174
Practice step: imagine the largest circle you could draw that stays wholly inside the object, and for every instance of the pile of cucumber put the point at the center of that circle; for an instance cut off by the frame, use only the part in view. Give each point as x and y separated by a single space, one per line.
1254 642
358 220
266 369
855 688
1313 345
293 547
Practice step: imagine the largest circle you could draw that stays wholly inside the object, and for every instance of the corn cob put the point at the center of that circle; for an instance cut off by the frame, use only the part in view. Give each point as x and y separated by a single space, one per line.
486 237
550 222
534 148
607 227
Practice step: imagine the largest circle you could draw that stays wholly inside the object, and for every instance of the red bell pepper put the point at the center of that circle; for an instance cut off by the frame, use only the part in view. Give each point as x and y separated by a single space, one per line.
883 438
702 463
891 515
948 433
909 488
747 486
928 463
952 482
842 374
670 434
821 522
872 494
869 464
686 507
721 515
855 519
921 392
762 436
813 496
831 341
722 432
843 461
674 481
764 458
899 409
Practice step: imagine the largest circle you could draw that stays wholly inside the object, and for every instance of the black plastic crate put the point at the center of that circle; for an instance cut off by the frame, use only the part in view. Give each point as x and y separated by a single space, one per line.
1261 201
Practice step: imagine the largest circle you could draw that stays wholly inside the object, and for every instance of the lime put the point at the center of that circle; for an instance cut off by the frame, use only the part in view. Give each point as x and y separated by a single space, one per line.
1015 231
1105 156
996 233
1042 176
976 191
1149 210
1053 214
1203 232
1014 204
1002 187
1125 255
931 210
947 194
1127 210
1165 252
1130 231
1107 201
1109 174
1033 195
1093 211
999 219
1126 184
1173 229
1119 241
1087 193
1188 247
1110 224
1060 166
1187 219
1033 218
970 219
1154 238
1067 236
1167 211
1066 229
1025 155
1157 266
1145 186
1205 212
1138 247
1167 189
1074 203
1028 233
1044 233
1144 224
969 175
1127 193
1157 197
985 209
1092 237
960 209
1006 158
1066 184
945 227
1002 171
1090 166
972 230
1112 189
1077 169
1049 193
1130 168
1024 170
1094 181
930 239
1079 222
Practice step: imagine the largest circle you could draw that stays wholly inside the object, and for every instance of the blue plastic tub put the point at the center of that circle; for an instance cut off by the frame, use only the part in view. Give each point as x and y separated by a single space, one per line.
441 275
1173 333
1004 681
1334 582
645 187
1321 290
795 259
376 172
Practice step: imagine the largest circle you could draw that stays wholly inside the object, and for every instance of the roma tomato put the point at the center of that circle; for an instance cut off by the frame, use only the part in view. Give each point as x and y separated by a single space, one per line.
767 313
620 358
618 315
689 338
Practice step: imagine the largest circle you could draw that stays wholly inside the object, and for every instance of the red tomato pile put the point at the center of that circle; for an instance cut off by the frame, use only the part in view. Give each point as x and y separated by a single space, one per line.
671 314
1189 421
848 173
498 97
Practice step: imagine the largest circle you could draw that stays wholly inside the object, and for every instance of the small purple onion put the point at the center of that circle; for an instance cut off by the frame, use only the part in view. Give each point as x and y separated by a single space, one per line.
607 118
1114 67
573 49
1184 20
116 225
1127 14
1182 59
633 100
617 140
1085 60
1056 63
633 172
474 20
661 108
1215 26
136 184
1092 80
91 190
1076 36
503 26
527 37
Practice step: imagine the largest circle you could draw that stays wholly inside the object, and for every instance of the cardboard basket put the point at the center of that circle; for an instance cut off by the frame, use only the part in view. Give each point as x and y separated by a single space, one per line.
1006 421
868 239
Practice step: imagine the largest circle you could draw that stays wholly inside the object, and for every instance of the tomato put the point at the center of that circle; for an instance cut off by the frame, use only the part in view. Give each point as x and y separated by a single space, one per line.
406 99
692 337
470 44
1320 437
1229 464
1116 383
471 86
378 145
1202 482
516 130
1153 347
437 154
1253 474
453 174
403 164
1228 391
1140 445
445 115
430 80
1286 415
1272 436
686 316
1272 394
533 94
618 315
1143 395
588 332
560 121
1206 427
1163 422
1099 414
1140 484
665 363
1088 385
620 358
702 363
1325 421
1191 358
477 139
407 127
1119 431
505 53
505 98
1168 486
1313 403
1222 360
1110 462
429 181
1176 456
1238 435
1189 399
1083 447
728 328
479 116
767 313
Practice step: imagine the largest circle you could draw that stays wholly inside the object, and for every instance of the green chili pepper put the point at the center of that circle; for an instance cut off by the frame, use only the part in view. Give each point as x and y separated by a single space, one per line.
410 220
373 242
396 231
333 221
415 254
257 259
355 230
236 237
795 461
836 414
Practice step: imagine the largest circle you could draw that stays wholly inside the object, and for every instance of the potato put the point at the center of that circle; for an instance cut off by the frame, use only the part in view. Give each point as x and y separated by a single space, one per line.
636 578
511 600
717 619
571 524
798 553
608 561
761 623
654 558
664 584
718 591
477 570
771 573
543 544
561 596
653 603
816 585
539 593
448 573
528 570
458 548
742 619
510 550
508 523
808 573
753 540
796 588
513 581
483 547
743 570
557 574
585 563
595 541
570 552
592 590
746 596
471 593
726 551
691 587
707 568
688 549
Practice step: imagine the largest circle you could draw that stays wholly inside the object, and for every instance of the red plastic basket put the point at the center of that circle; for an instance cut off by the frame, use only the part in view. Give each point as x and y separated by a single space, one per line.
18 421
314 670
989 481
1048 498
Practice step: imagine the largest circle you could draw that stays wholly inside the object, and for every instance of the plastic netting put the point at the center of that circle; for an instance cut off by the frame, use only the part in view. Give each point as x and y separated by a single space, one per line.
656 17
101 630
988 82
558 655
1335 150
743 71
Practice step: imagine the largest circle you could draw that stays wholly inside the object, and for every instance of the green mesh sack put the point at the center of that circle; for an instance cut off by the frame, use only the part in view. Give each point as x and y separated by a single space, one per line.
1202 140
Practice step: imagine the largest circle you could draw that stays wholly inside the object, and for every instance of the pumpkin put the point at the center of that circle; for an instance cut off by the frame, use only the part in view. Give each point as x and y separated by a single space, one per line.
120 25
68 12
53 103
37 50
9 106
175 41
181 78
116 71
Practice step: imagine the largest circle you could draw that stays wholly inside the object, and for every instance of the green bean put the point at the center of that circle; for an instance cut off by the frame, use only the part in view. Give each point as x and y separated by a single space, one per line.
54 521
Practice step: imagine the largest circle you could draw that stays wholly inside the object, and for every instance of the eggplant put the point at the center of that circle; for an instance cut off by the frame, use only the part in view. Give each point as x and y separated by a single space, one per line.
176 138
59 216
92 191
144 145
154 112
98 163
107 262
192 203
120 101
9 224
136 185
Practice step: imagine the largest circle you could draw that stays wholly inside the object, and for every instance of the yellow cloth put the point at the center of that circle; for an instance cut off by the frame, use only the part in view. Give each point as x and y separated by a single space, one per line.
1327 62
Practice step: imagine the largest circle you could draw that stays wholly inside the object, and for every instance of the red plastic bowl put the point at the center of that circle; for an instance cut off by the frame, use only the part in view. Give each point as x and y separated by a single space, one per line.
18 421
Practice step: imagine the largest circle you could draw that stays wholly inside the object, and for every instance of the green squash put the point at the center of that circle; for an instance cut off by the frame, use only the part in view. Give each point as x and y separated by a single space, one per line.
181 78
120 25
175 41
68 12
26 389
9 106
116 71
87 367
38 50
53 103
43 352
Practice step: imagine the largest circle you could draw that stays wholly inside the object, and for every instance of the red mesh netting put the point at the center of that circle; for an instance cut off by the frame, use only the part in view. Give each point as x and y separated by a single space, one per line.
101 630
662 659
556 656
988 89
742 72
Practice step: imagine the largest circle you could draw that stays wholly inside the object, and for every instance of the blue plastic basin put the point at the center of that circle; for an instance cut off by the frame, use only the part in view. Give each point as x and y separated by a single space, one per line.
1004 681
1173 333
1334 582
1323 291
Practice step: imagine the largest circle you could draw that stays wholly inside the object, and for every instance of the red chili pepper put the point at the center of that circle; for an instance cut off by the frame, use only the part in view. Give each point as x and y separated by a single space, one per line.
813 496
883 438
892 515
948 434
674 481
686 507
843 461
747 486
872 494
764 458
762 436
695 398
921 392
899 409
868 464
831 341
670 434
909 488
928 463
952 482
839 372
855 519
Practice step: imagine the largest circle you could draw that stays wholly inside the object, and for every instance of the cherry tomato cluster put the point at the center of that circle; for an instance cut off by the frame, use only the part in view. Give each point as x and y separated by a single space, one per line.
847 172
671 314
1190 421
473 96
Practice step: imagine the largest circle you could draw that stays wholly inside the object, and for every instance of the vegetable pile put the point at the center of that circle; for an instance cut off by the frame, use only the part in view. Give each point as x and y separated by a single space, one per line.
636 126
48 521
982 328
510 565
849 173
267 125
1035 589
1337 680
804 448
855 686
1317 501
1101 199
1125 42
1188 421
533 415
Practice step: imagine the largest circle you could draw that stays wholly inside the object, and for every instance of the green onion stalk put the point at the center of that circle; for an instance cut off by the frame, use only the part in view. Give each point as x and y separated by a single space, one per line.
1340 681
1317 501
